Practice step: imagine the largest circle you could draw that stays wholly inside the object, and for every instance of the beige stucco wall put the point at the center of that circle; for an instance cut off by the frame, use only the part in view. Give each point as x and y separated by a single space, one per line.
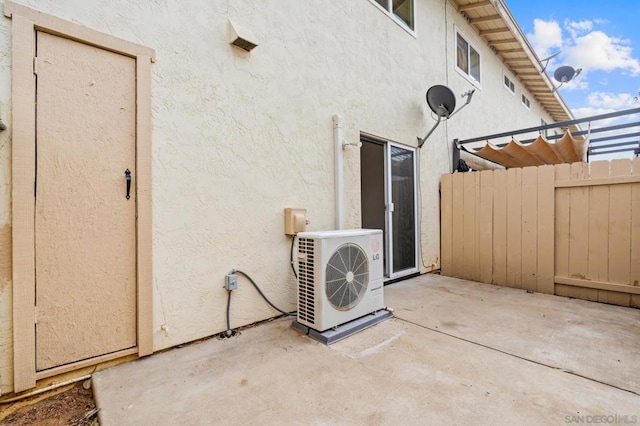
238 137
6 303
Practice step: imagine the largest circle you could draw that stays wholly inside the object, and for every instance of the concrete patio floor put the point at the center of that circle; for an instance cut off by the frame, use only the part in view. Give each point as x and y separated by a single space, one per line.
457 352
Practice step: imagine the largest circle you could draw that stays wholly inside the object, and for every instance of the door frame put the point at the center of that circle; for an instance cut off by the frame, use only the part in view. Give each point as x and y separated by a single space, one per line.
389 214
388 243
25 22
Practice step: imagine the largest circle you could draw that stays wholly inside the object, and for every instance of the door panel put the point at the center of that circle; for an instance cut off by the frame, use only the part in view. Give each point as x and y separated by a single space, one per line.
403 197
389 202
84 225
372 187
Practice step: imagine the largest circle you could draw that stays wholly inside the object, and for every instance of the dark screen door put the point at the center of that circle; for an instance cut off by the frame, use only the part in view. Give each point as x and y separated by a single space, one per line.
389 201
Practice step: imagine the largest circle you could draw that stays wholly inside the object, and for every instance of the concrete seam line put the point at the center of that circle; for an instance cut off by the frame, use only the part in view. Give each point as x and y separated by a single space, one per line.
518 356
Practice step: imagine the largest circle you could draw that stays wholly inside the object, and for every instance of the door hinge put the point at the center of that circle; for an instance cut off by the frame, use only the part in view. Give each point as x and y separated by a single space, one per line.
35 65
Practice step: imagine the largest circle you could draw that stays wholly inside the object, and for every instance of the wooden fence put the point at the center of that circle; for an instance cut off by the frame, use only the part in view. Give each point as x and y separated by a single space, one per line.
571 230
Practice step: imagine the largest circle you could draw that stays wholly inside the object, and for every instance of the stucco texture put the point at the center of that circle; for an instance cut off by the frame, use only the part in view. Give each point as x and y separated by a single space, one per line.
238 136
6 302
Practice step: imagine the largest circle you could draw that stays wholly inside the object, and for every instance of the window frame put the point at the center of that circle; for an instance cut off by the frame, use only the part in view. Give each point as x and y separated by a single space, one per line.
543 122
389 12
524 98
475 81
511 88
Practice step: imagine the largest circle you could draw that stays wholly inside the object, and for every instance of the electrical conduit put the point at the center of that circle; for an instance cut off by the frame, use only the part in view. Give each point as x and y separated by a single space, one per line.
338 178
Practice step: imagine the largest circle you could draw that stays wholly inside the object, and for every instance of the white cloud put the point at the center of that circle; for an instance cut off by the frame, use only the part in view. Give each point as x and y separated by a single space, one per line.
609 61
598 51
611 100
577 84
583 47
546 36
576 28
590 111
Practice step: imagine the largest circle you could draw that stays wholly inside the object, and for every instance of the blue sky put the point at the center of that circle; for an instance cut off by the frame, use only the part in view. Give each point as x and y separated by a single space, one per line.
601 37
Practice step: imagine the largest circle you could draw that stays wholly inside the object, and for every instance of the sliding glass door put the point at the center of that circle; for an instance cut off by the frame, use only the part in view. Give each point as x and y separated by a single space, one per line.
389 202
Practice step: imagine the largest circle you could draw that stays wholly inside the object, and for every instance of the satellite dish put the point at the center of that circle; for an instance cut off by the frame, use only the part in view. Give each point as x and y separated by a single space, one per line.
565 74
441 100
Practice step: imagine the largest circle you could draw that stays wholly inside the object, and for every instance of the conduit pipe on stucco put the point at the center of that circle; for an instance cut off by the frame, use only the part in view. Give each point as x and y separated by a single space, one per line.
338 178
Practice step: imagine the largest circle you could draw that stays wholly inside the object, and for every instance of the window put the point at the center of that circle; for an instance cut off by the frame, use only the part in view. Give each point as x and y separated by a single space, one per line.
402 10
467 59
546 131
509 85
526 102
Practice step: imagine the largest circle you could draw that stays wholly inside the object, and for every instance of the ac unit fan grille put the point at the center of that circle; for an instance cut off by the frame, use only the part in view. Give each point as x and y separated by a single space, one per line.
306 287
347 276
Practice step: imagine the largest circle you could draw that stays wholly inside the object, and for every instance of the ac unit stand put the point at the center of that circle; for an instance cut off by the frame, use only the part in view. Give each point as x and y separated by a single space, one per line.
345 330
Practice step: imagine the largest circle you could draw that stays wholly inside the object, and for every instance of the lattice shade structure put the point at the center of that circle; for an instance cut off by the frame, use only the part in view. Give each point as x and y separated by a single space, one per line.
571 146
567 149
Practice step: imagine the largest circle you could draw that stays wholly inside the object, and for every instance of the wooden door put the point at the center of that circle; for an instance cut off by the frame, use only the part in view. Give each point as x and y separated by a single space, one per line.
85 227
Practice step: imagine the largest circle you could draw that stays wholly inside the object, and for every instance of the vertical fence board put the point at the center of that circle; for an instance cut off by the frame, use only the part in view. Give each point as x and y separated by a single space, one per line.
485 242
514 228
598 268
619 235
562 210
476 275
579 233
446 224
529 228
469 243
457 233
500 227
635 233
545 255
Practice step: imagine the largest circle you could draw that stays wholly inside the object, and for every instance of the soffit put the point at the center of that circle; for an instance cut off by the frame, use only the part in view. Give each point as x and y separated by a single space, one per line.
495 24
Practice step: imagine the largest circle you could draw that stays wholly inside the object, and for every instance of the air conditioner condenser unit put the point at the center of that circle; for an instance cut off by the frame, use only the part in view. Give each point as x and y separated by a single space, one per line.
340 277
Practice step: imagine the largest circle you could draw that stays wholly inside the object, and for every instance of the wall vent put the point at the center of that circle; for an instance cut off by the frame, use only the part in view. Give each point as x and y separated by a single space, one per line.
241 38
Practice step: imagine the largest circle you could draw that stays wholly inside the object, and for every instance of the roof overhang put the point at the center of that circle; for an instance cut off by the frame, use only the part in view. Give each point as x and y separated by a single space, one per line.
495 24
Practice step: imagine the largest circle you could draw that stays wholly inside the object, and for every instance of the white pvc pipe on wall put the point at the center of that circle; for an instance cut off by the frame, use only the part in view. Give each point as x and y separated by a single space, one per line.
338 178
